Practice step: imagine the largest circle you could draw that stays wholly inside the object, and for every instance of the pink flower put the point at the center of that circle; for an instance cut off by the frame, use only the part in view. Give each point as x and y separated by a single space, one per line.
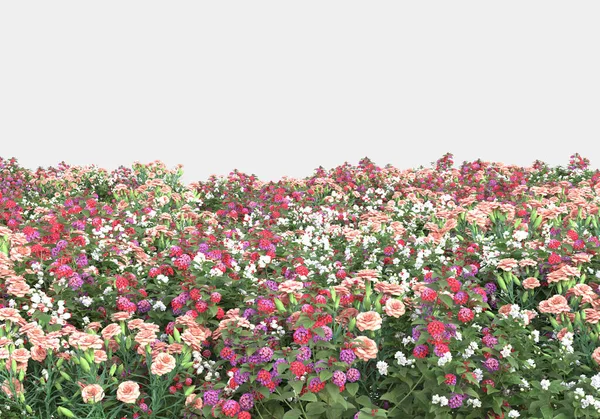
531 283
128 392
369 320
162 364
394 308
367 348
92 393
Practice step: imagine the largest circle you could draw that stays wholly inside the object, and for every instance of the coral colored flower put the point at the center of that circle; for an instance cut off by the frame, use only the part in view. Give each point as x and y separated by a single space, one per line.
92 393
530 283
554 305
369 320
162 364
128 392
367 348
394 308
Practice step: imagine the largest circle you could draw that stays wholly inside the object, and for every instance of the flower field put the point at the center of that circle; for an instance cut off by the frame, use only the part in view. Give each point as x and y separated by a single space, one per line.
468 291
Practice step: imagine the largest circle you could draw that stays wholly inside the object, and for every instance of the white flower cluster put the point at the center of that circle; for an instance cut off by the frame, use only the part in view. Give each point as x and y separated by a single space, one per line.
567 342
545 384
473 402
506 351
402 360
470 351
447 357
441 400
382 367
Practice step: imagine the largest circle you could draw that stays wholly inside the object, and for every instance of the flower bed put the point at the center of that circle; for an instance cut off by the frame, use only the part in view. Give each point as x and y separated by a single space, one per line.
357 292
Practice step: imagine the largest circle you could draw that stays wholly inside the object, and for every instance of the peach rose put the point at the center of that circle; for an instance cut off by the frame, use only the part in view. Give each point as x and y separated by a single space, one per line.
162 364
344 317
38 353
290 286
145 337
100 356
18 388
21 355
554 305
591 316
530 283
194 401
394 308
369 320
111 331
386 288
596 355
128 392
121 316
92 393
507 264
367 348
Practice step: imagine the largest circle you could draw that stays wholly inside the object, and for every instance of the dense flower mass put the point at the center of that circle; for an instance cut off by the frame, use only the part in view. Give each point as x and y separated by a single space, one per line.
356 292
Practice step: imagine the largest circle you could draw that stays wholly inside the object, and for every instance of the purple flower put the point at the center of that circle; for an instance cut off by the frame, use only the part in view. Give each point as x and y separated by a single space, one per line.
353 375
211 397
144 306
338 378
347 356
304 354
455 401
491 364
265 354
247 401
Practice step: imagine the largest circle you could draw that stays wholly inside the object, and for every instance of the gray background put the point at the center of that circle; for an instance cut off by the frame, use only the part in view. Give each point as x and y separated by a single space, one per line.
278 88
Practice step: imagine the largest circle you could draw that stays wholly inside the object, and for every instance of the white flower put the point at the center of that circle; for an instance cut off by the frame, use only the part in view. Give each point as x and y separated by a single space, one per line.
382 366
506 351
545 384
513 414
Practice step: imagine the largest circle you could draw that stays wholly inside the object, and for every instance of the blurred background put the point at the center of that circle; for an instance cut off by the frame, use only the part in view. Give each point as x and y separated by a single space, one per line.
278 88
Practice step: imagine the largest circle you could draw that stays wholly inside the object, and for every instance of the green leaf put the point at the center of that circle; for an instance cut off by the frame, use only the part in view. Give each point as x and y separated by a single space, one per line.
315 408
325 375
292 414
309 397
364 401
352 388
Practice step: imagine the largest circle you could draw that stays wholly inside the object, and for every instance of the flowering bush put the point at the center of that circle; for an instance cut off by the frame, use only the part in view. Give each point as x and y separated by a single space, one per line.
357 292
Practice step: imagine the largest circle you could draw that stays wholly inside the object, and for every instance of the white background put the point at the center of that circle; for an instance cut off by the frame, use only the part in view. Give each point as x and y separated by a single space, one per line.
279 88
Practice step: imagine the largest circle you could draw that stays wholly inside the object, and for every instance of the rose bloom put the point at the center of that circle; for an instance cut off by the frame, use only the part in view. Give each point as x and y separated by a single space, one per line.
100 356
38 353
367 348
596 355
11 314
162 364
290 286
134 324
121 316
21 355
394 308
145 337
111 331
18 388
505 309
85 341
18 289
346 314
369 320
95 326
386 288
128 392
554 305
531 283
175 348
591 316
507 264
194 401
92 393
